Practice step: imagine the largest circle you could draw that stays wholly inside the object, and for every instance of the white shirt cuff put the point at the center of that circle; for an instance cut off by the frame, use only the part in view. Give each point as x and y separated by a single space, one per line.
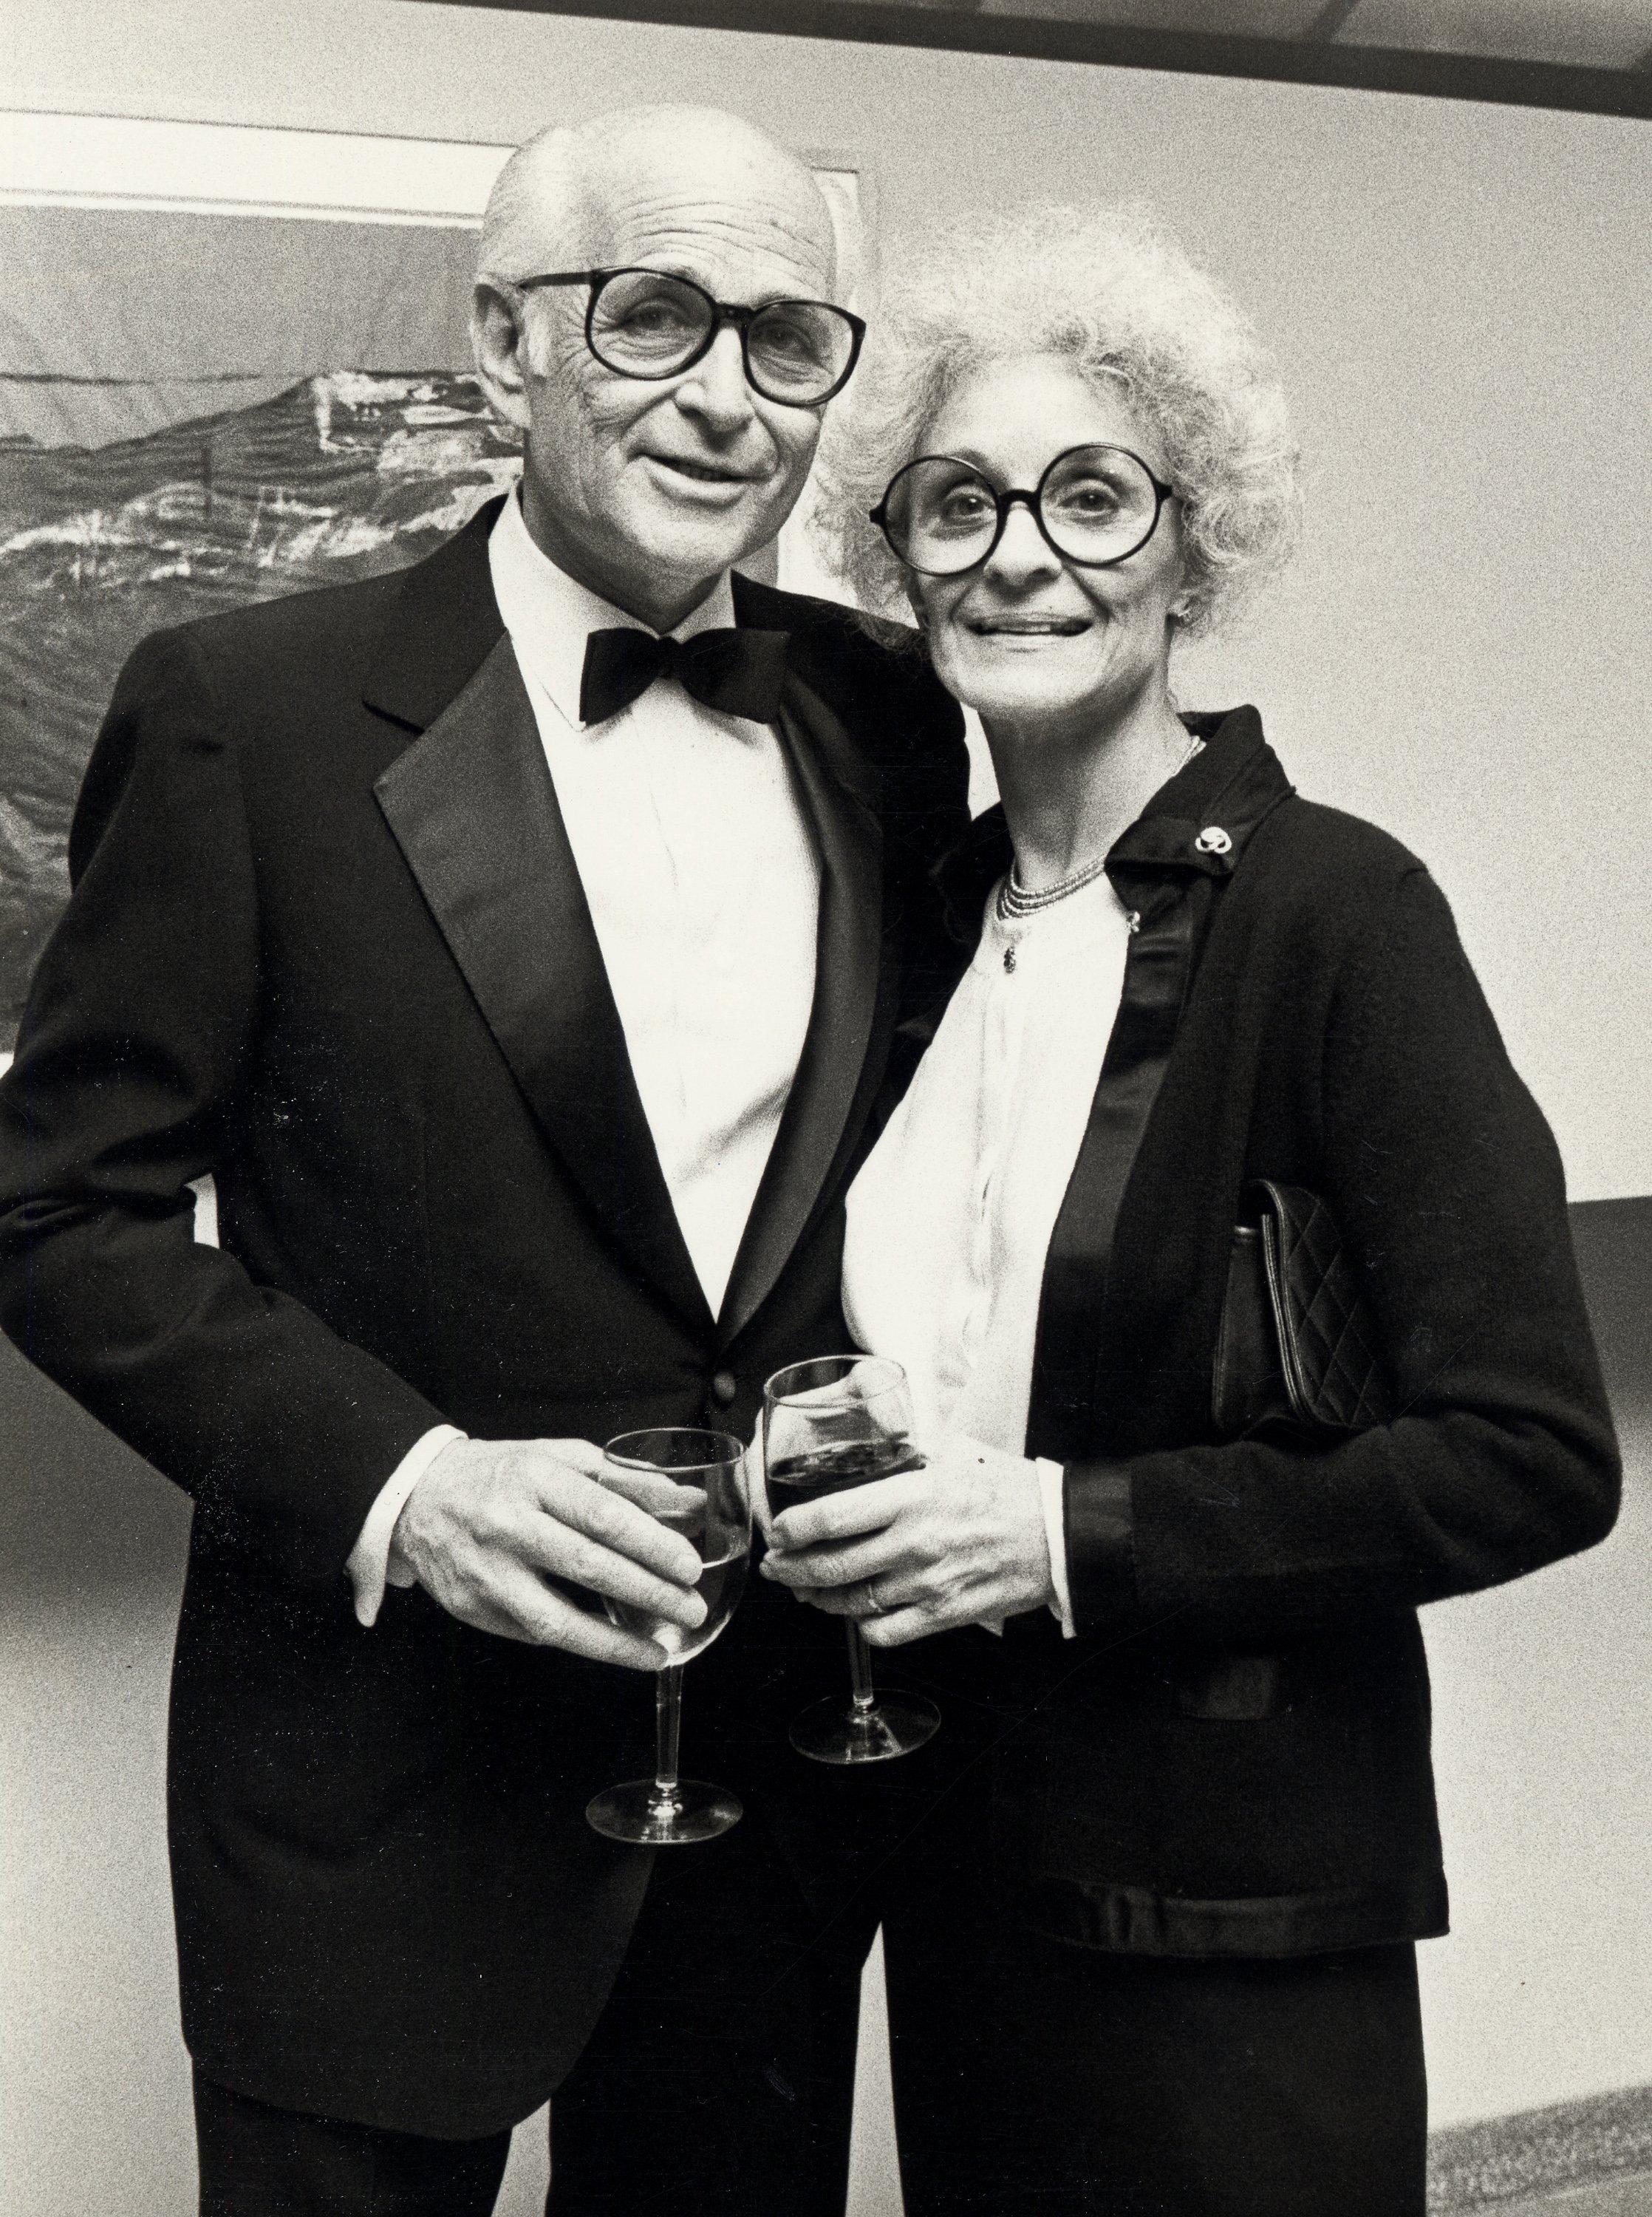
369 1565
1051 1477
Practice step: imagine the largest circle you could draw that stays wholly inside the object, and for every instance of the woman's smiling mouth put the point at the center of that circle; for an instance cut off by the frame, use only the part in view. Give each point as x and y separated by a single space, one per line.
1028 626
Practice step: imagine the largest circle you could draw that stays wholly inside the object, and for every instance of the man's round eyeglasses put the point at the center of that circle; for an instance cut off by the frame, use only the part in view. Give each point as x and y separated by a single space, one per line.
1095 505
648 323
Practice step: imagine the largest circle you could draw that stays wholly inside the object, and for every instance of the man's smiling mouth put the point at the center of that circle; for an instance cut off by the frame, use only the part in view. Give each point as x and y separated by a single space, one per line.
702 472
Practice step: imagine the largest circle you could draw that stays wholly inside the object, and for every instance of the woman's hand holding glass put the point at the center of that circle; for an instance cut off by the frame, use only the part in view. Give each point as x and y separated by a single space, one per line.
961 1540
832 1426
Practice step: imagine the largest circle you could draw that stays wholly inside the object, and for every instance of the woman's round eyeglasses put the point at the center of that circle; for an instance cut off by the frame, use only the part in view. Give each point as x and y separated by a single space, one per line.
650 324
1095 505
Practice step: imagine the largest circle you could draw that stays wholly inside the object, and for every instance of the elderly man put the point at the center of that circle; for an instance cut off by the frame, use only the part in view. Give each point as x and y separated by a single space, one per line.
525 983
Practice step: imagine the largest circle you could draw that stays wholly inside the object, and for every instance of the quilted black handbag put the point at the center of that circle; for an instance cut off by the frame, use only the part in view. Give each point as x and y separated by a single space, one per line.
1298 1345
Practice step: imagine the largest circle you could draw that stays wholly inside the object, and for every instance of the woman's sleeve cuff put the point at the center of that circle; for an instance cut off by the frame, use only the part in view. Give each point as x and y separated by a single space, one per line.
1053 1487
1100 1543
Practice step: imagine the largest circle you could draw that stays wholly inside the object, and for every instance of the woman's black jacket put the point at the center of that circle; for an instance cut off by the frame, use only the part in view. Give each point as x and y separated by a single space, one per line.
1232 1759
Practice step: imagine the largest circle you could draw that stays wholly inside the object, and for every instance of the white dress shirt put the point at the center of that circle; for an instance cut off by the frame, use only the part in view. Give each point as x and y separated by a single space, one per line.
703 889
950 1218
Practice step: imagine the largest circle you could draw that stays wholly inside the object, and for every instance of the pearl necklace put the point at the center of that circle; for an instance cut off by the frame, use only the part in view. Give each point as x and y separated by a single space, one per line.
1014 899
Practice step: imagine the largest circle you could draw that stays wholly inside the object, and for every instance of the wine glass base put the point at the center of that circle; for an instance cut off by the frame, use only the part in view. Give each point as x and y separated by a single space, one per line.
631 1813
834 1731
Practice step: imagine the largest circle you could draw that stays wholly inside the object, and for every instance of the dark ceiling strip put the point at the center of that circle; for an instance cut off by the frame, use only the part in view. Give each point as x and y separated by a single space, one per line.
1330 19
1363 69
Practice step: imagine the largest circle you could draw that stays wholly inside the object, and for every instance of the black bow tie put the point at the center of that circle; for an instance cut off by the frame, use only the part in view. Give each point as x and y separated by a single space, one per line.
739 673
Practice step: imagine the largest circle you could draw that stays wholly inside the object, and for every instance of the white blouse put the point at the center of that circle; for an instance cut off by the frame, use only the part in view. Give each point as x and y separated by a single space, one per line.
950 1218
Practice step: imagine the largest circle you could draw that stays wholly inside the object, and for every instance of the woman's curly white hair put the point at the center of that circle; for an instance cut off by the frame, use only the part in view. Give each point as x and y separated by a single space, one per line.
1111 291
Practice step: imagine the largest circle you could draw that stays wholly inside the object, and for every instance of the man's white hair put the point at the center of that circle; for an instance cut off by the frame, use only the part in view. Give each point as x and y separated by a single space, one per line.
541 189
1108 289
545 198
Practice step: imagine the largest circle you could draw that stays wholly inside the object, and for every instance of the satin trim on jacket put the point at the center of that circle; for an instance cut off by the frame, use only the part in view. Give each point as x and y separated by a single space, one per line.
1129 1920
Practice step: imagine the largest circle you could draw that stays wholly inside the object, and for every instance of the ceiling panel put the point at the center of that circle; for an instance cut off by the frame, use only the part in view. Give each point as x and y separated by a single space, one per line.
1592 34
1251 19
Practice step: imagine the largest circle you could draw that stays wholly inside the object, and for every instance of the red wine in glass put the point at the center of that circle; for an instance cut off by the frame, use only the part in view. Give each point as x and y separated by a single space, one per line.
841 1421
812 1476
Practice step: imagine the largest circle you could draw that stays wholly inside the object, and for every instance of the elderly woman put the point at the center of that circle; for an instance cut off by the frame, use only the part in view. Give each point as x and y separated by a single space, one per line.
1152 1948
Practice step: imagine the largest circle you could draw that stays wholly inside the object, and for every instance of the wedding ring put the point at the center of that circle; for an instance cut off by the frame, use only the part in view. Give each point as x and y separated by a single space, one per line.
872 1602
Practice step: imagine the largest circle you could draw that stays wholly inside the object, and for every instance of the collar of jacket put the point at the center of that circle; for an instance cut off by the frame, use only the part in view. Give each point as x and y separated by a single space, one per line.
765 607
1227 789
446 622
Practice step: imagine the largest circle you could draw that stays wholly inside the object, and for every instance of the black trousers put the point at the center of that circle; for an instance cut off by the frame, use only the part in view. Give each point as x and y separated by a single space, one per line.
1030 2075
719 2079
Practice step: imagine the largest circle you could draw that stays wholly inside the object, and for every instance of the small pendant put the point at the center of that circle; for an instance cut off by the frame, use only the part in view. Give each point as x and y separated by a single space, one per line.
1009 957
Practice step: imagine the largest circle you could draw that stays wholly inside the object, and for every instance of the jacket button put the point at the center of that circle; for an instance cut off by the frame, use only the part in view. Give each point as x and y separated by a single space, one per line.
1213 840
725 1387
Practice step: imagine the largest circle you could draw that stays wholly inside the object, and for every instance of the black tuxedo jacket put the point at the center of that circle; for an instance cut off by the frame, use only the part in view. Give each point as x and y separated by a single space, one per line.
1233 1758
327 942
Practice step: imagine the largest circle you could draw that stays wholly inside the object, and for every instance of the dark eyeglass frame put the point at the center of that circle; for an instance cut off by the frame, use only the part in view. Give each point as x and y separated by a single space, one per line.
1033 503
723 311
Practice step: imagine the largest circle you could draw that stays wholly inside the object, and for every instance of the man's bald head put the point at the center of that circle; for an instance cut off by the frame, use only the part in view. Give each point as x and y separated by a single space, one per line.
563 195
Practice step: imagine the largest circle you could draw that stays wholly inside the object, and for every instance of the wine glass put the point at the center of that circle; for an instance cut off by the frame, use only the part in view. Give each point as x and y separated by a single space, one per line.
694 1482
840 1421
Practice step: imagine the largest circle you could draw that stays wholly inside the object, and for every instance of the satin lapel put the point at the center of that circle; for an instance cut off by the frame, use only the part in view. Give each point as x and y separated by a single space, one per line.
1168 879
1075 1271
473 809
817 1125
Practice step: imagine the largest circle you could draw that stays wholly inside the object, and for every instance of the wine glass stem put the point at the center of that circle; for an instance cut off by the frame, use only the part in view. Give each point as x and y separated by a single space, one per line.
860 1669
668 1728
